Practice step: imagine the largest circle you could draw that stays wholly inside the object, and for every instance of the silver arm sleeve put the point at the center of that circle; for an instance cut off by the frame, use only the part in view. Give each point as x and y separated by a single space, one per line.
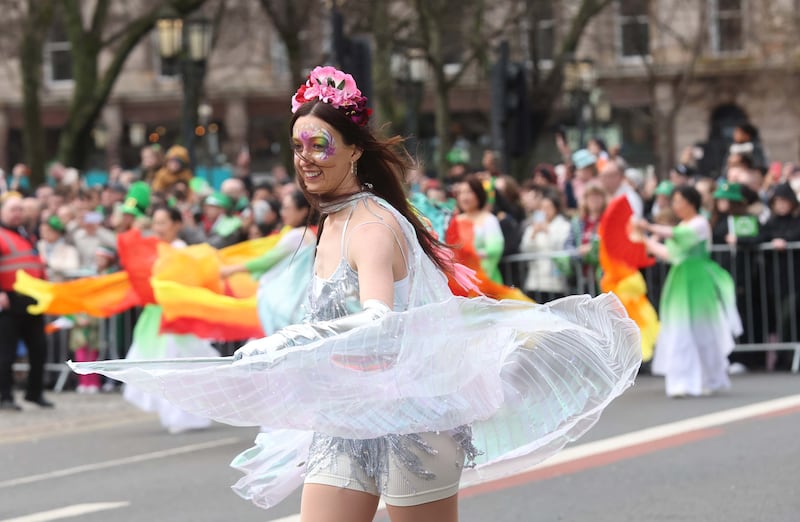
304 333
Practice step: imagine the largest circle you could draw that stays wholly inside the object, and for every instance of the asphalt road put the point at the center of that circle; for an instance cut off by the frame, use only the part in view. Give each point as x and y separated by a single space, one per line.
732 457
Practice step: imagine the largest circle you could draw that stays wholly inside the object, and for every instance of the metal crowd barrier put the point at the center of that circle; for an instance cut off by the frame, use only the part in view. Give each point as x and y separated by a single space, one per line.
767 286
115 338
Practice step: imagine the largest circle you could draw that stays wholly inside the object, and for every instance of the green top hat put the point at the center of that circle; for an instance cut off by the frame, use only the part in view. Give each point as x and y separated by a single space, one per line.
218 199
729 191
665 188
56 224
137 200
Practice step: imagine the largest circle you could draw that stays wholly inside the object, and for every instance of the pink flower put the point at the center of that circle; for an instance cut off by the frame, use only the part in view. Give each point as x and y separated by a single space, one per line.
335 87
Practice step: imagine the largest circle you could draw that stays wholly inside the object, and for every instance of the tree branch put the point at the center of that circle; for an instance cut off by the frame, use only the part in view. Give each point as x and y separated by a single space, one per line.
99 18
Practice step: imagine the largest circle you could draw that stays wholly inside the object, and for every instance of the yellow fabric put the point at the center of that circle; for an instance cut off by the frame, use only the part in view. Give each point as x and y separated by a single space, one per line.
632 292
242 285
200 303
99 296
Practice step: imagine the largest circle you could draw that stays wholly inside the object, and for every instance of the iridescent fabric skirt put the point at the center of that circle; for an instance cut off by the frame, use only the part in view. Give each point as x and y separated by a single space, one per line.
526 378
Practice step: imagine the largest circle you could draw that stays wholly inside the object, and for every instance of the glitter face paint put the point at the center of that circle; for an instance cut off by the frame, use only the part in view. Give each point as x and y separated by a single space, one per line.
314 143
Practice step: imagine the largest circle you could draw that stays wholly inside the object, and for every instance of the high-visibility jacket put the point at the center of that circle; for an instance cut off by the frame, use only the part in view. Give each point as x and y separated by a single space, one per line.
17 253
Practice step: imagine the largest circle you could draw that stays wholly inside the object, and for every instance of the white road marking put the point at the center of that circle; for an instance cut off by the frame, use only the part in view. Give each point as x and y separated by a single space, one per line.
567 455
133 459
68 512
648 435
644 436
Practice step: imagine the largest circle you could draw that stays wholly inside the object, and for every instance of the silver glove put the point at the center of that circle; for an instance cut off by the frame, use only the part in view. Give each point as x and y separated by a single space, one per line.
305 333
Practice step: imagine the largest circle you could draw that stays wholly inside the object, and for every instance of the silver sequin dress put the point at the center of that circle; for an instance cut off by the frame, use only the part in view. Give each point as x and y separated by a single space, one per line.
337 297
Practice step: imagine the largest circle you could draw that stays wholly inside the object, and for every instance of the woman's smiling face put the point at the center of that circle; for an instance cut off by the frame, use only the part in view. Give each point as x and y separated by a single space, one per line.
322 159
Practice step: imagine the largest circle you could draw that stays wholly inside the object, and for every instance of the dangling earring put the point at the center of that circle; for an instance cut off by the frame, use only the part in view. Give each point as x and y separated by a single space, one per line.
353 169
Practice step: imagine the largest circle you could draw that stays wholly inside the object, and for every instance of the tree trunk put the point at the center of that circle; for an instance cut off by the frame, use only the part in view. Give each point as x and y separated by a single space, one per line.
384 85
665 141
91 90
442 123
31 52
75 140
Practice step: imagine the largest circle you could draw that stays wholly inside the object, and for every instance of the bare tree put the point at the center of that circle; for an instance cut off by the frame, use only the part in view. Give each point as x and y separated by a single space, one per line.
671 68
90 34
546 85
290 19
440 26
34 31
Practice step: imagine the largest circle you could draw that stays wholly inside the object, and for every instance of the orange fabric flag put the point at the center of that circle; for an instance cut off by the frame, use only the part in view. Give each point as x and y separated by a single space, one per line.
621 258
461 235
98 296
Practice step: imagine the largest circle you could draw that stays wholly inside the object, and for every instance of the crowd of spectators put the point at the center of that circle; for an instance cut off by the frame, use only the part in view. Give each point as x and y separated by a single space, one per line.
74 223
553 212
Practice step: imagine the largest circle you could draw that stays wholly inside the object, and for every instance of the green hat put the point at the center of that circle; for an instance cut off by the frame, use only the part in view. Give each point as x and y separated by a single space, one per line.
56 224
242 204
200 186
457 155
665 188
729 191
137 200
218 199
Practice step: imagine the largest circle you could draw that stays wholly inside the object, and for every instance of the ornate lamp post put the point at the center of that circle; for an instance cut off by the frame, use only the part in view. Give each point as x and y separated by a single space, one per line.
580 79
189 43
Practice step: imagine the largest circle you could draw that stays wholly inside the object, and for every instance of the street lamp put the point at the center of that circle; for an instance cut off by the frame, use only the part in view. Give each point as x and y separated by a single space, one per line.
580 79
189 43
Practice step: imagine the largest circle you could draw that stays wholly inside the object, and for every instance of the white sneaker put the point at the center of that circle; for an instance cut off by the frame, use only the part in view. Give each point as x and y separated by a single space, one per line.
81 389
737 369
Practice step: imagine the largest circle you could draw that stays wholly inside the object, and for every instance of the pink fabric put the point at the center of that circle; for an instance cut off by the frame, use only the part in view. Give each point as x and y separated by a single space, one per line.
86 354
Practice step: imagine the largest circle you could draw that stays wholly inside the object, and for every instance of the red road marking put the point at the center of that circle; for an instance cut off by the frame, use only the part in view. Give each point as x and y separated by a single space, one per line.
592 461
779 413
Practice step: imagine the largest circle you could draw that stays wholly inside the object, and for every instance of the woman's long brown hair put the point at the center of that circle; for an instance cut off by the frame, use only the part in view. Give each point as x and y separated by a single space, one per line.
381 167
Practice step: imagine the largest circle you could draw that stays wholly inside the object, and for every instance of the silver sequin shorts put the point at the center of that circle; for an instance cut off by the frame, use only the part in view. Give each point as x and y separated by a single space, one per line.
400 486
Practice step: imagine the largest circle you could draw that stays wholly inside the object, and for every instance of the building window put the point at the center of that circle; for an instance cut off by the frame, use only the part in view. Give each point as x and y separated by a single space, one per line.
58 54
633 28
538 33
727 26
545 27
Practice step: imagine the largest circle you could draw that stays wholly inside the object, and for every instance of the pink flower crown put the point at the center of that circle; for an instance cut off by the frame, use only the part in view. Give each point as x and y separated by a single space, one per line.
333 86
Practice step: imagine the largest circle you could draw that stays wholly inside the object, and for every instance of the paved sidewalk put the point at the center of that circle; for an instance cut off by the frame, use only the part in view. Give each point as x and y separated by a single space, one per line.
73 412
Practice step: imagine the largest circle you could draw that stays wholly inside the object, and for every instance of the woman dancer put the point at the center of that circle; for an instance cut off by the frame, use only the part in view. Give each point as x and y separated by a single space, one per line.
149 344
488 237
699 320
286 267
393 382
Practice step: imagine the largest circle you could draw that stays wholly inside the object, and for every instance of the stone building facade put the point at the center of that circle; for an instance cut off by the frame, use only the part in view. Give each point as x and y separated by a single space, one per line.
745 67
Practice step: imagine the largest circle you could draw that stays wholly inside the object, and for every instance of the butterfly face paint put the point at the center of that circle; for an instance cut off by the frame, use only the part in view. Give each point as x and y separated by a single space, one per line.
313 143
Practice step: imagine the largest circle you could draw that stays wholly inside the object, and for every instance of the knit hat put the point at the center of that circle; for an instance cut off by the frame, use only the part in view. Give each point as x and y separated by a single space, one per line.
784 191
583 158
218 199
179 153
56 224
137 200
665 188
683 170
729 191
